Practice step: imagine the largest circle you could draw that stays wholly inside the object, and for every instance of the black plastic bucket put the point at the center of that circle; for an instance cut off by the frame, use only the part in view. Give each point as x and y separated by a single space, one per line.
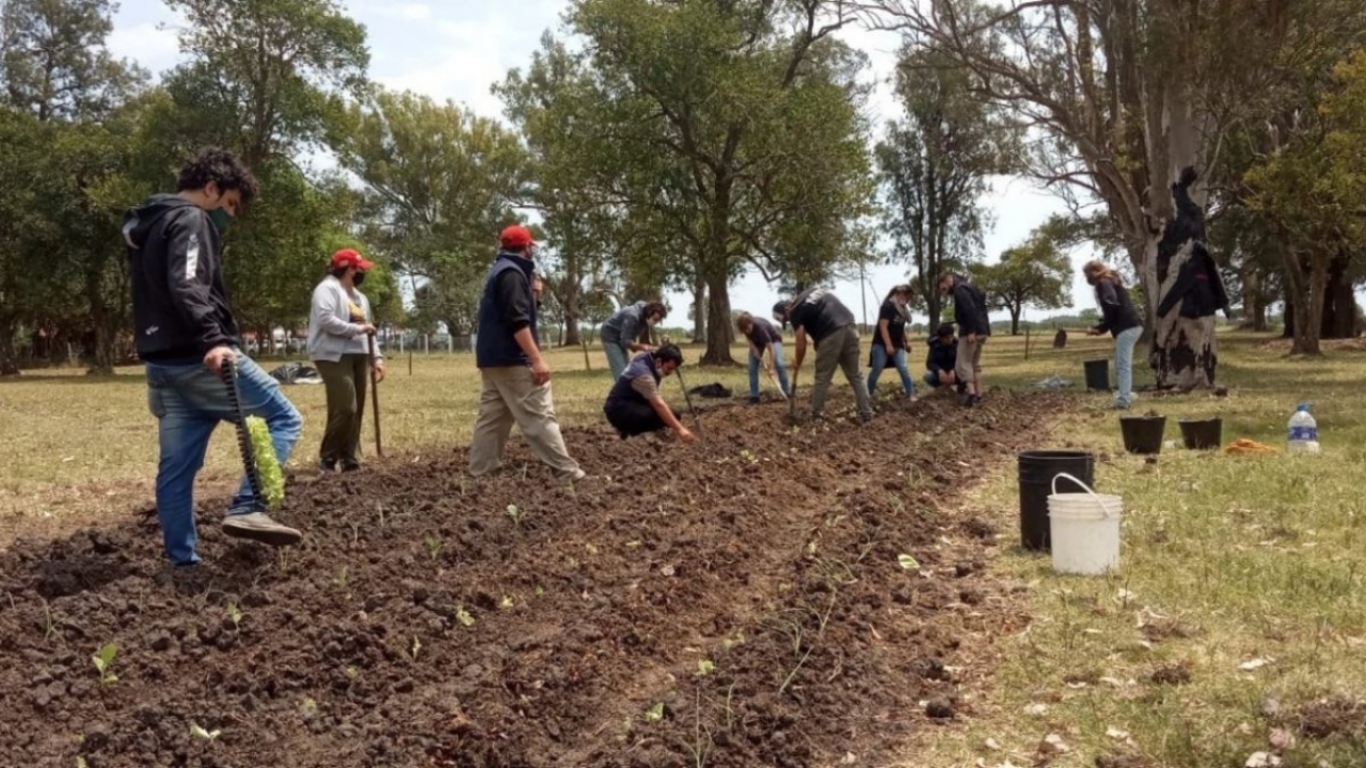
1143 434
1037 470
1202 434
1098 375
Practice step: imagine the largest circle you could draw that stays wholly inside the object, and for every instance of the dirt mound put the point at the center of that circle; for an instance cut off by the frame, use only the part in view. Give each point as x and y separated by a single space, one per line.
739 602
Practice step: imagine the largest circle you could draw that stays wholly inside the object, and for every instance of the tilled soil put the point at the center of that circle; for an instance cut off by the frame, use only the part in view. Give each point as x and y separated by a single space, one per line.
742 601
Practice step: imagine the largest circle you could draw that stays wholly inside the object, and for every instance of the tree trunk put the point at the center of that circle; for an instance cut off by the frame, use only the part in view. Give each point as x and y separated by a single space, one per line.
699 311
570 302
1254 307
9 363
1340 303
718 320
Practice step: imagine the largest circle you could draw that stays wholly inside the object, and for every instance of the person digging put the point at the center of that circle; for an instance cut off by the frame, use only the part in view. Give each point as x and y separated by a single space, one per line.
621 333
763 337
188 340
635 406
819 314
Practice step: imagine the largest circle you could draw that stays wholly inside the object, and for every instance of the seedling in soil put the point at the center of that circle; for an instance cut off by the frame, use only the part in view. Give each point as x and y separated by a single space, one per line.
198 732
352 672
49 628
908 562
749 457
464 617
705 667
516 514
80 763
104 663
310 707
235 616
506 602
343 576
417 646
433 547
655 714
538 591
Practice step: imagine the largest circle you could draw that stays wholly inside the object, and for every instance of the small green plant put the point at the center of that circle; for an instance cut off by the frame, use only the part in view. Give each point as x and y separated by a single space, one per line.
352 672
749 457
417 646
655 714
197 732
267 464
538 591
515 513
433 547
506 602
464 617
104 663
309 706
80 762
343 576
908 562
705 667
235 616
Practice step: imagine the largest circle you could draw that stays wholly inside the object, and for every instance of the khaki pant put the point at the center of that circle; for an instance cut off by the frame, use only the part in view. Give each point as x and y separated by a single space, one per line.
969 364
345 382
839 350
508 396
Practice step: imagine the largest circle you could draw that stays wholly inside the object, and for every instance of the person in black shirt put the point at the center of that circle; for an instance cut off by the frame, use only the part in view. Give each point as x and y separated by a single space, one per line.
817 313
1119 318
763 337
942 358
970 312
890 346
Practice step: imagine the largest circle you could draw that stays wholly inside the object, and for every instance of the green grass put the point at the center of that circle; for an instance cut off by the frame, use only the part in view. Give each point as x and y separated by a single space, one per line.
1245 556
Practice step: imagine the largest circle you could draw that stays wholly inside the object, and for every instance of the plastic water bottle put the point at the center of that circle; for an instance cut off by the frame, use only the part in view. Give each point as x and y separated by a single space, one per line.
1303 431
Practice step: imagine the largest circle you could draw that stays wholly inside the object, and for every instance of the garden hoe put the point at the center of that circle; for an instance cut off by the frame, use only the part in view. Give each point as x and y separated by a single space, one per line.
679 373
374 397
768 371
249 465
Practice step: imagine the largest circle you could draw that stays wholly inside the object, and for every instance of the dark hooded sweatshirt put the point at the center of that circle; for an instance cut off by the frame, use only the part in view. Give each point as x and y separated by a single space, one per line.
180 304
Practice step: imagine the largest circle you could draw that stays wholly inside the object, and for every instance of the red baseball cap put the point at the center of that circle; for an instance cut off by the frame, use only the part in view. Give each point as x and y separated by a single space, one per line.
516 236
349 257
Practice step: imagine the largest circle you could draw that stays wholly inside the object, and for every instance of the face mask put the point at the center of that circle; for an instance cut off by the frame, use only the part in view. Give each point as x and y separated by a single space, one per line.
220 218
357 279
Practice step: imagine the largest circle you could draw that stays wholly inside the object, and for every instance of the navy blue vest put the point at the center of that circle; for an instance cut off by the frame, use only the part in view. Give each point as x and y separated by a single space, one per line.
494 346
622 391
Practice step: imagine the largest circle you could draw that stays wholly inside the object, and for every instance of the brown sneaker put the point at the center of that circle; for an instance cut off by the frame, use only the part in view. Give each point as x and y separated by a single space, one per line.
257 526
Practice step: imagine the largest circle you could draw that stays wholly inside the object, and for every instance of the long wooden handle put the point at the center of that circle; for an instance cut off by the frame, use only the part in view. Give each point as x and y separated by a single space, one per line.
374 398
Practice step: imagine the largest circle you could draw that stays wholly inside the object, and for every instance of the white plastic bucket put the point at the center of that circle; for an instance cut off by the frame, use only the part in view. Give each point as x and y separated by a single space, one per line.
1084 530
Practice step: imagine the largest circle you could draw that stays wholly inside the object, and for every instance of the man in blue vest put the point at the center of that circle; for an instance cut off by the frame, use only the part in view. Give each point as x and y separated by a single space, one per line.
634 405
516 379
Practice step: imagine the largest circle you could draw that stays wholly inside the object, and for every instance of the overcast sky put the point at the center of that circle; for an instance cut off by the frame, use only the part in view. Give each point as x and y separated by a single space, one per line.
456 49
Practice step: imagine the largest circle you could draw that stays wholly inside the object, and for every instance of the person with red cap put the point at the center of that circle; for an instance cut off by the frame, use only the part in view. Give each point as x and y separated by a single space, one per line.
516 378
340 325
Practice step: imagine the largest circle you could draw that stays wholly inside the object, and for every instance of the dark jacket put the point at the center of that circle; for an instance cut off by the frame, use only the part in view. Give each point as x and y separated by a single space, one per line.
941 356
622 392
506 307
1198 287
180 304
970 308
1117 313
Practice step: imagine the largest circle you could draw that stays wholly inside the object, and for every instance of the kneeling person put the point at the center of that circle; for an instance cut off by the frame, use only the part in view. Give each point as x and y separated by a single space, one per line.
634 406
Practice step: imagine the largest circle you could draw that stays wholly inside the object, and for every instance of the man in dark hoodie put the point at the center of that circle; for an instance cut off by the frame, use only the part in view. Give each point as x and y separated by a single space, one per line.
186 335
970 312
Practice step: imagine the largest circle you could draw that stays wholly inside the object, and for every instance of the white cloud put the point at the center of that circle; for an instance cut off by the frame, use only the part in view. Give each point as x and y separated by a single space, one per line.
413 11
154 48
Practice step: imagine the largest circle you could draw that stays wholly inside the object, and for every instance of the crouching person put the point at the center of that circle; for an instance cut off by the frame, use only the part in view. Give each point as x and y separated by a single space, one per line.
634 406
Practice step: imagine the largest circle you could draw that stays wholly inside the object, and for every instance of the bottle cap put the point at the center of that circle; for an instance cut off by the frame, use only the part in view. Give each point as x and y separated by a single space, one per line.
1303 407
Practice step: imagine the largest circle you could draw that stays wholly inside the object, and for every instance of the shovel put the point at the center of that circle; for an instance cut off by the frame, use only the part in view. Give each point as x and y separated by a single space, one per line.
374 397
774 381
792 401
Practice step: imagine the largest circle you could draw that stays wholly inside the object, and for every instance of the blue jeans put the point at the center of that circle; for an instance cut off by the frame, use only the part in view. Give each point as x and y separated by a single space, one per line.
778 365
880 362
618 357
1124 365
189 401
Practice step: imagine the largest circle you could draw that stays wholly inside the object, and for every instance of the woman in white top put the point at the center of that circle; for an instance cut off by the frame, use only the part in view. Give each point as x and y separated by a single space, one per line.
339 327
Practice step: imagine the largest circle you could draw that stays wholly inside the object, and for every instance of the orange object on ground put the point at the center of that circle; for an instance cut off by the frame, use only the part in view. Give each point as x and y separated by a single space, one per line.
1244 445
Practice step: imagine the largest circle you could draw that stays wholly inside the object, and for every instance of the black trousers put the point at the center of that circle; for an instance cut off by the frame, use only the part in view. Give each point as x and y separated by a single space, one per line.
634 418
